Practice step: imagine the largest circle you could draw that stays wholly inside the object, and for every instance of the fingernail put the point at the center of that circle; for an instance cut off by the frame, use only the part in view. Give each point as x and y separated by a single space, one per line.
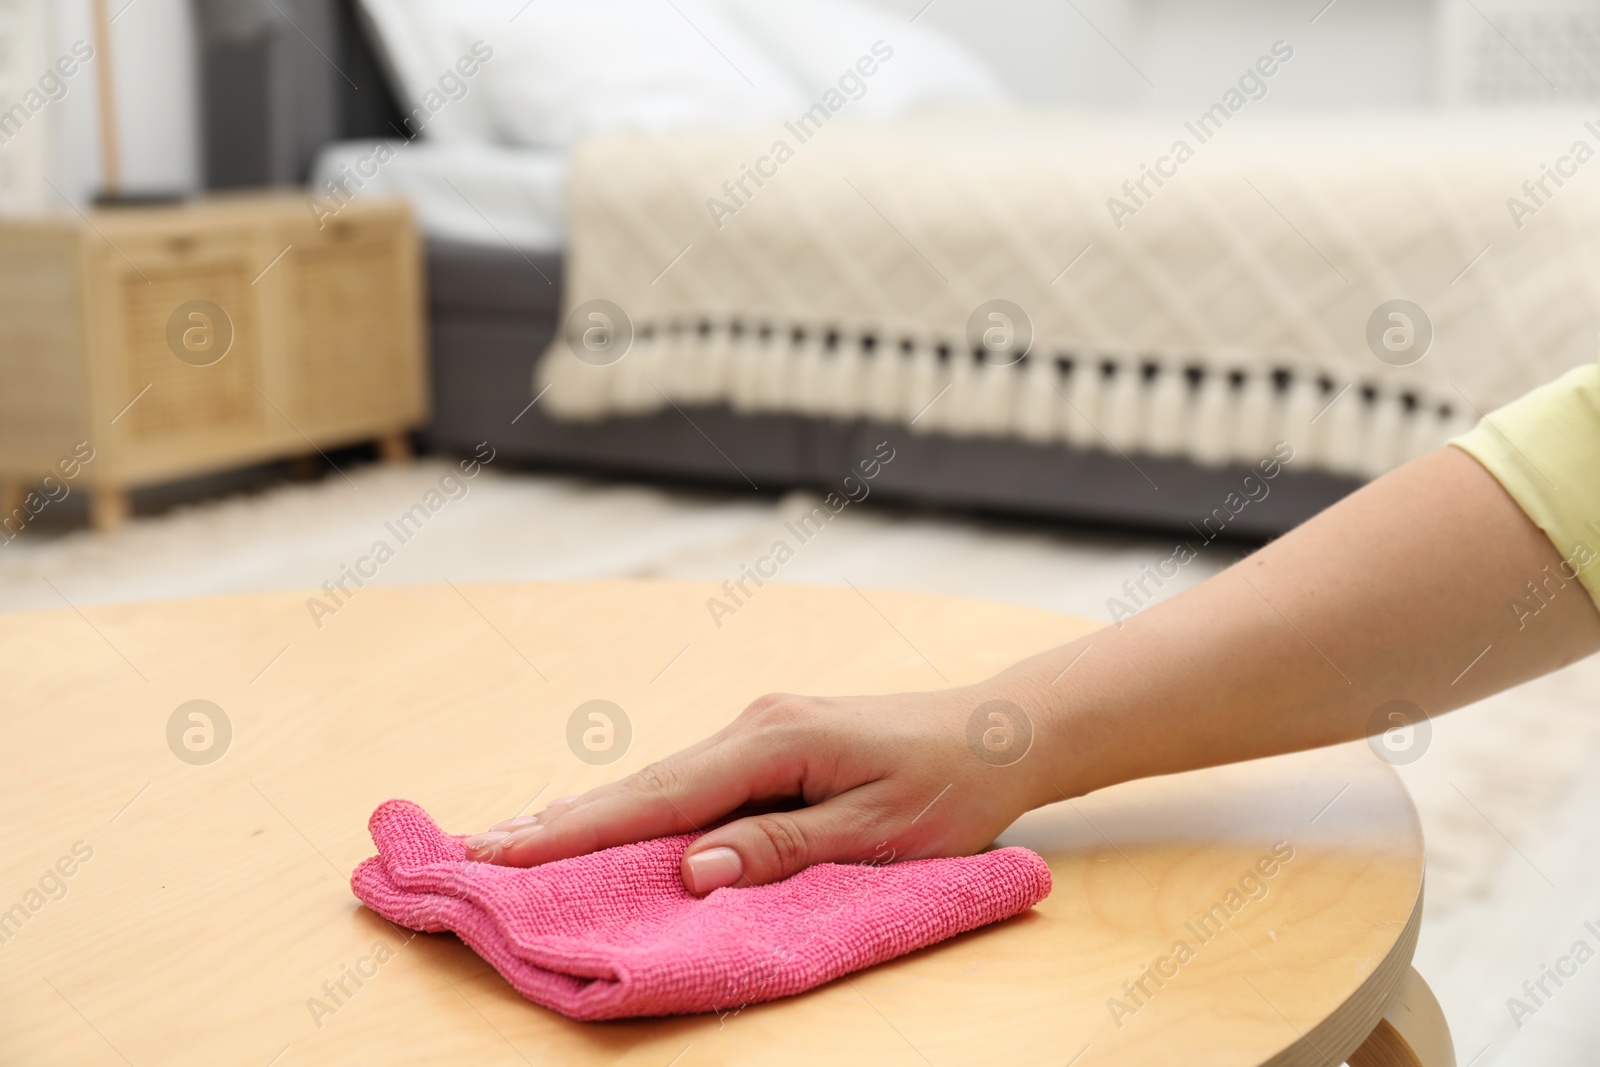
565 800
715 868
521 836
515 824
487 845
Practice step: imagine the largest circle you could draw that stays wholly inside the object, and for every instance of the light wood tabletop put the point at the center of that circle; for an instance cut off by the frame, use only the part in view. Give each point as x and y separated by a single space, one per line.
176 873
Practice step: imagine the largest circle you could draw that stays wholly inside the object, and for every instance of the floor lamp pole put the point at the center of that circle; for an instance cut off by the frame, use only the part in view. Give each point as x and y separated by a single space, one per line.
110 154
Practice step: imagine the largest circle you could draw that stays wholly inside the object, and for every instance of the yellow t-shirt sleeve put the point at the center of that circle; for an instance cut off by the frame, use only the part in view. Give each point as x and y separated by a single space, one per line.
1545 450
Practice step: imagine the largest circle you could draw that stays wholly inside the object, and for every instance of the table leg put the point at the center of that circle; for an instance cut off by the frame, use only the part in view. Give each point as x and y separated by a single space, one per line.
1412 1032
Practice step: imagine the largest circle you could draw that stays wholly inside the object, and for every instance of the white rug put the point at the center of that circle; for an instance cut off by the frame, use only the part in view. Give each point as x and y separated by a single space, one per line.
1507 790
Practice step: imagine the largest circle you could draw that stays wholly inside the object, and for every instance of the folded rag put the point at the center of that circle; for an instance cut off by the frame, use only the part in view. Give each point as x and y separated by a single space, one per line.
614 934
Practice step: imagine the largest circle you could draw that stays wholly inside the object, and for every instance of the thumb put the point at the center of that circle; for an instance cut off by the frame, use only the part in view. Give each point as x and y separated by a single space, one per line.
767 848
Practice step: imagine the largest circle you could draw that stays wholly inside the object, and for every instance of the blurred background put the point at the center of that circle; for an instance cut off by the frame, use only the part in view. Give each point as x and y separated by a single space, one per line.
272 272
1372 55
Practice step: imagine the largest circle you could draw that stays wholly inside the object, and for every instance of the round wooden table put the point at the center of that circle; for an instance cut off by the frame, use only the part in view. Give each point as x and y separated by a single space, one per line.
176 873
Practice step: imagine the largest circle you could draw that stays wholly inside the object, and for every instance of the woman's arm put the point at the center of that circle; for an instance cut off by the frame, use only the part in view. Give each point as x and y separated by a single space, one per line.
1393 593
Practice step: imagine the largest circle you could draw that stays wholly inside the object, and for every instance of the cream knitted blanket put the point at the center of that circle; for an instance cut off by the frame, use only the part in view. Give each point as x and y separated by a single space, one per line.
1142 284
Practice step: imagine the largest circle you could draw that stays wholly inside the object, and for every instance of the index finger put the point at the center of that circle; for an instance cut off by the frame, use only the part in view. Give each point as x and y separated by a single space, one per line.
688 790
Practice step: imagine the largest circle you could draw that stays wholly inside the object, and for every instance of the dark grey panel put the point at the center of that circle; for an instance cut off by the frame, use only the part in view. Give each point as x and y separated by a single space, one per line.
496 279
482 369
280 79
1058 481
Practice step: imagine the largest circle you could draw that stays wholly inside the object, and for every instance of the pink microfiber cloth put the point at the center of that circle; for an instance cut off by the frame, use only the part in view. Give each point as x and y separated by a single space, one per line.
615 934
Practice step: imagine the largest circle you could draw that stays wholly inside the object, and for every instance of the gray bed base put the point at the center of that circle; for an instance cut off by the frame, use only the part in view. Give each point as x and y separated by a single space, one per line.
281 79
492 313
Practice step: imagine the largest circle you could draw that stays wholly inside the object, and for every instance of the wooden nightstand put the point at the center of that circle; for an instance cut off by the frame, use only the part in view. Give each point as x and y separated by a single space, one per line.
174 341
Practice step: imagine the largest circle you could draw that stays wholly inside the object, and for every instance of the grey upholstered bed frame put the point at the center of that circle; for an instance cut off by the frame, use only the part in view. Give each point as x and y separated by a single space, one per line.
283 77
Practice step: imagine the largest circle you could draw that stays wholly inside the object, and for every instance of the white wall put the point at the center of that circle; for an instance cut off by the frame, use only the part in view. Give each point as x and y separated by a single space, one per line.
1360 53
1043 50
157 100
24 56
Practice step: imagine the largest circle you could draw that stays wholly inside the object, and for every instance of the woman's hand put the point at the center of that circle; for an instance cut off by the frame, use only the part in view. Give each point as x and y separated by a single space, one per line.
1296 646
881 778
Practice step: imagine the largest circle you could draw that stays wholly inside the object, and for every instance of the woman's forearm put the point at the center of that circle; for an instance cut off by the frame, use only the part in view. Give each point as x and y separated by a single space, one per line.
1405 590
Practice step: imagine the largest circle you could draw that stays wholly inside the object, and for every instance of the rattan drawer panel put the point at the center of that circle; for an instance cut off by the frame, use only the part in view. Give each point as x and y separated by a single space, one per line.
184 399
346 347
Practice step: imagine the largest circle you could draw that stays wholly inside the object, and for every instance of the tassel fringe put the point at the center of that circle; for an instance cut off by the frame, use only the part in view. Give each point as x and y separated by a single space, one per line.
1154 405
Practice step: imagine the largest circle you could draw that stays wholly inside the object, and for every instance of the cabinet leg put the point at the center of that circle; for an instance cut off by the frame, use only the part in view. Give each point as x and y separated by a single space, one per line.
12 492
395 448
14 517
108 507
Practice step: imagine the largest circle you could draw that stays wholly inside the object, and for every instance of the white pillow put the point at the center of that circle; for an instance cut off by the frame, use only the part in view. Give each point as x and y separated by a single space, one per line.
434 54
545 73
821 41
569 68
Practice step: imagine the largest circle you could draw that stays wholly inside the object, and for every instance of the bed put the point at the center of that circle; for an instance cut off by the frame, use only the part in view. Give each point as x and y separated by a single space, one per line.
1120 410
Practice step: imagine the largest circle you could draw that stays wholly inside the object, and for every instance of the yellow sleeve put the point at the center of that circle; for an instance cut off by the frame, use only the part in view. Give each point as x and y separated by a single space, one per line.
1545 450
